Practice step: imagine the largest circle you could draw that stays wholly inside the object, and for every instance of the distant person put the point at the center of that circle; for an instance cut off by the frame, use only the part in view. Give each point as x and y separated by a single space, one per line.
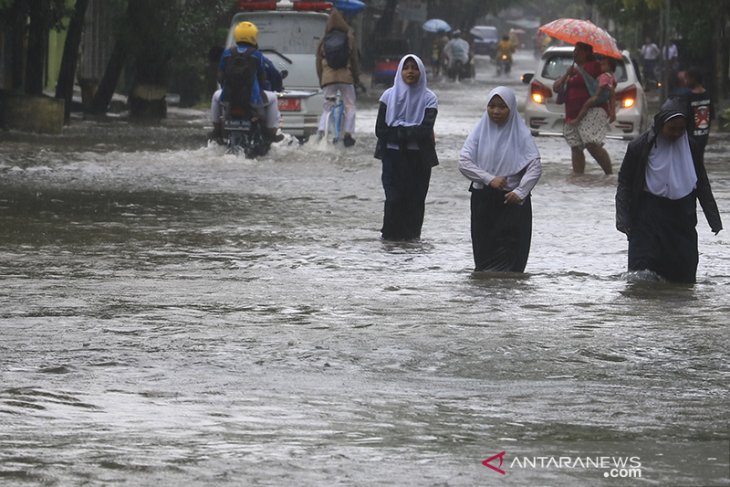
505 47
698 104
547 41
590 131
649 57
541 41
502 161
660 180
406 146
338 68
456 50
248 84
670 54
437 50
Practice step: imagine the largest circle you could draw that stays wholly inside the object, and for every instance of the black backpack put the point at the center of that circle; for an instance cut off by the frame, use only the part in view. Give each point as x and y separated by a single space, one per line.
336 50
238 78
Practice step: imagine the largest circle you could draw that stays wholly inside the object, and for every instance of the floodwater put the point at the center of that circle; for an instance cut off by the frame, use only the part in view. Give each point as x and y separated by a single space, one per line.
173 315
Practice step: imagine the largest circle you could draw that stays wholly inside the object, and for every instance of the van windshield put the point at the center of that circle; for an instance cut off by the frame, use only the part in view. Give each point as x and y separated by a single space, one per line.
286 32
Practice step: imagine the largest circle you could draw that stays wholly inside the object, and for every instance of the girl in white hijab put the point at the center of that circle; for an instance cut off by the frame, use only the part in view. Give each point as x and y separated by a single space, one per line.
501 160
661 178
406 145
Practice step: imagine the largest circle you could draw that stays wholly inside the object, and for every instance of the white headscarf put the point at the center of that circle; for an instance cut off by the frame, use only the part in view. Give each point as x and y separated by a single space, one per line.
406 103
504 150
670 172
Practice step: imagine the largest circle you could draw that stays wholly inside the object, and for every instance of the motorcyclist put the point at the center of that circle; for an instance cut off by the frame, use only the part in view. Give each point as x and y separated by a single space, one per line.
266 81
456 50
505 49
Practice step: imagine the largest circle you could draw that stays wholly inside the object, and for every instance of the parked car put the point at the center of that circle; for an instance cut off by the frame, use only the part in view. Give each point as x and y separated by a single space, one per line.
289 34
545 117
486 38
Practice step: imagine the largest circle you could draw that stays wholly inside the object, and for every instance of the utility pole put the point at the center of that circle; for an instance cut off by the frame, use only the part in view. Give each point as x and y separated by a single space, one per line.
665 27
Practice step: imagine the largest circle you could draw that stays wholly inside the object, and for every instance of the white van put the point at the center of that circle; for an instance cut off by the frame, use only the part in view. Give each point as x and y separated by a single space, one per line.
288 34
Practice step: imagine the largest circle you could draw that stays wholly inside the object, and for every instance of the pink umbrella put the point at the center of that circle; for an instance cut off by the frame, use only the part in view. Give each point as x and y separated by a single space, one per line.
573 31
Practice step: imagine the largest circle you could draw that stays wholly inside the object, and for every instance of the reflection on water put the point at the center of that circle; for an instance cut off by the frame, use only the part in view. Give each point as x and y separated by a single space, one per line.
174 315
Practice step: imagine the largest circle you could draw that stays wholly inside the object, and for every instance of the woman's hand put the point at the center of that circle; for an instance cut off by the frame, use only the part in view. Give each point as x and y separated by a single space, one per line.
498 182
578 117
511 198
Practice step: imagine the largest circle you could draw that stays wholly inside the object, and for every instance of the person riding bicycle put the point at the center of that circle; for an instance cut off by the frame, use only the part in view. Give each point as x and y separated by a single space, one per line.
338 68
262 78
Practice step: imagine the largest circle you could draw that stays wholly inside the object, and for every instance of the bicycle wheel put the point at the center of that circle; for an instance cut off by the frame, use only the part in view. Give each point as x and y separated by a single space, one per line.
334 122
338 117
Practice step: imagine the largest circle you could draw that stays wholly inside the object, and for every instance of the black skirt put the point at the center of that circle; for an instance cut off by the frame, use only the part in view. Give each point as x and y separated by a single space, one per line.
406 177
664 237
500 233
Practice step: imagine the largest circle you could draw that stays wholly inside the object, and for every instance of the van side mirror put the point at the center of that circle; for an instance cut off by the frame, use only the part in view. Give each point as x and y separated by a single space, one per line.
527 77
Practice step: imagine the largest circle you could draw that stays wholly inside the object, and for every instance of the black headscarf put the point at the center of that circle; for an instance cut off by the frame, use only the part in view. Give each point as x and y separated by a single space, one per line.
670 170
670 109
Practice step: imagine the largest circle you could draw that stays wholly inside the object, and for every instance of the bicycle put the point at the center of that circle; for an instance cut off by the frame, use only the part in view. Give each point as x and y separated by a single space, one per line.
336 118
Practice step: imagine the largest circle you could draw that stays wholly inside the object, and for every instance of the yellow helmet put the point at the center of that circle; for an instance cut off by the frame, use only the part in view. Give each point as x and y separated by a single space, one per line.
246 32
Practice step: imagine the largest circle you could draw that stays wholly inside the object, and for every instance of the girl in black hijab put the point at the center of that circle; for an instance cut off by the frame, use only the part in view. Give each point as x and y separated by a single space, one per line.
660 180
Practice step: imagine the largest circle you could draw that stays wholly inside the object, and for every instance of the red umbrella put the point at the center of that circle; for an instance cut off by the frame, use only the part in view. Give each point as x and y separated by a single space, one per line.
575 30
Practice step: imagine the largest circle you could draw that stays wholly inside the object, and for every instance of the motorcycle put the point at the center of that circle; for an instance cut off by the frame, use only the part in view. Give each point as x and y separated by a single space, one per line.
243 130
503 64
243 134
460 70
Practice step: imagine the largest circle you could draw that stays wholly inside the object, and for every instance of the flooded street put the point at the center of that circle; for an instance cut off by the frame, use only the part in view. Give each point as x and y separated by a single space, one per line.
173 315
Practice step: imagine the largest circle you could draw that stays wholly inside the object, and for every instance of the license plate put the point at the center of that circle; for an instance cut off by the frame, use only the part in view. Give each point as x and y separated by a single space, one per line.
290 104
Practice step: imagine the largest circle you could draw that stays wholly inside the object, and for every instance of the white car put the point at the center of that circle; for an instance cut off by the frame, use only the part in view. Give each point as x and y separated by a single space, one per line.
288 34
545 117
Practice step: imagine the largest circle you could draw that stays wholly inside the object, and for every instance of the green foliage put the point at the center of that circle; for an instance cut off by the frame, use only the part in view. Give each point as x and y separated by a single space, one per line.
53 11
643 4
199 26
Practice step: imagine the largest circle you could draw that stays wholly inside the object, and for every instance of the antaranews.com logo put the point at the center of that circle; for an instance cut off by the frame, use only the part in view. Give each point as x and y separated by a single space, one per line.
612 466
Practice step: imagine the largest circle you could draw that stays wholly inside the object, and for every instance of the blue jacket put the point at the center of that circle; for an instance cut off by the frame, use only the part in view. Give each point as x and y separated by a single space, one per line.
273 80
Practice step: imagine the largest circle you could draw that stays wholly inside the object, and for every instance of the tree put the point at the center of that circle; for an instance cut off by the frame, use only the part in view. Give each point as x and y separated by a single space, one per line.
118 59
201 26
29 22
700 24
64 87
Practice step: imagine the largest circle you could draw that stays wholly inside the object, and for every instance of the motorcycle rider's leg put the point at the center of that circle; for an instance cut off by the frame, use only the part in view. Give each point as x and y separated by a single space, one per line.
270 117
216 117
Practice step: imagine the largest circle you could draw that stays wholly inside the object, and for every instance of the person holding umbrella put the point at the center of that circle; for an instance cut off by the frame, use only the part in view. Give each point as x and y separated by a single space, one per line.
439 28
590 131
